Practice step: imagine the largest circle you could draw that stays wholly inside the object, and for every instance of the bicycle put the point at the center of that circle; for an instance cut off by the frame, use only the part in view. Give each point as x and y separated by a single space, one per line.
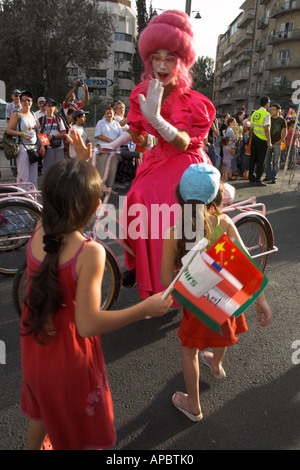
255 229
112 279
19 213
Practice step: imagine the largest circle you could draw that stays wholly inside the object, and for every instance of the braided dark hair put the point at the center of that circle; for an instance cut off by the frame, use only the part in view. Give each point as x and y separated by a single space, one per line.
71 192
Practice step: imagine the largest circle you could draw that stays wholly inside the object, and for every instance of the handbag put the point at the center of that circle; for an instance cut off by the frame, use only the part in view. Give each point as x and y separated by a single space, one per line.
55 143
10 147
33 155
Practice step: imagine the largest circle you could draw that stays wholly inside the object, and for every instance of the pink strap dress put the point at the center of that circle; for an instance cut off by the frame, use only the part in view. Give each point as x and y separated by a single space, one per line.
64 381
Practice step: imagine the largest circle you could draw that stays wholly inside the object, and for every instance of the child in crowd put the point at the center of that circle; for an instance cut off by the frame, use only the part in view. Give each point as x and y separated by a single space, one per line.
200 185
228 153
247 154
64 389
291 143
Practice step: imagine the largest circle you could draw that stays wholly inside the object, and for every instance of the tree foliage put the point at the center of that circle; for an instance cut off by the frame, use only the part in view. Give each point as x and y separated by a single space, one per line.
203 75
143 17
38 40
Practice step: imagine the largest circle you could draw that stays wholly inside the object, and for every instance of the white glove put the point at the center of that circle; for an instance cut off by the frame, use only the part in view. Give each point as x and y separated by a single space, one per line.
124 138
150 108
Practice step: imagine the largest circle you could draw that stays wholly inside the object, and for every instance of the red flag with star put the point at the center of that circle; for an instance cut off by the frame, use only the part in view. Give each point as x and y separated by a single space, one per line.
227 255
219 283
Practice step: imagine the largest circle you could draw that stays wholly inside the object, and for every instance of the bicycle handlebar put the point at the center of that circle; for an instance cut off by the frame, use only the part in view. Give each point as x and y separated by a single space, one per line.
123 152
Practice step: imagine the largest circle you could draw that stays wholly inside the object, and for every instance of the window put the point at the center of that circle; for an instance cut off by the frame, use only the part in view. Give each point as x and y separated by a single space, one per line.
122 74
283 57
73 71
97 73
123 37
122 56
125 92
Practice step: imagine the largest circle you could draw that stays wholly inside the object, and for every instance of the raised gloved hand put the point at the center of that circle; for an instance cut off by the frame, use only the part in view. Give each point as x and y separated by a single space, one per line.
124 138
150 108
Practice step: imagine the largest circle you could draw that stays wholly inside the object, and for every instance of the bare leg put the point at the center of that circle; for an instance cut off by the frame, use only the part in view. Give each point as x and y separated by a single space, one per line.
190 365
214 360
36 435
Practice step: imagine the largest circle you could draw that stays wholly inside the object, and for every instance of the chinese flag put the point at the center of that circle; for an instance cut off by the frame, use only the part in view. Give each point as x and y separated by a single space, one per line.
227 255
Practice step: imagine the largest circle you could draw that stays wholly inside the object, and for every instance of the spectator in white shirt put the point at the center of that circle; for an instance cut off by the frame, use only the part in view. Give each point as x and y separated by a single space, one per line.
107 130
79 118
41 103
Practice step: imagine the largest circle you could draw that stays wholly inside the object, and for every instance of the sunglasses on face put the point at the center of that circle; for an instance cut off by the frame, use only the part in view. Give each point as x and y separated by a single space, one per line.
24 100
169 60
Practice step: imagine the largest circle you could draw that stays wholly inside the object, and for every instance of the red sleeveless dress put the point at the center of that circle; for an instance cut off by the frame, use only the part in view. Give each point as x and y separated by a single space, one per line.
64 381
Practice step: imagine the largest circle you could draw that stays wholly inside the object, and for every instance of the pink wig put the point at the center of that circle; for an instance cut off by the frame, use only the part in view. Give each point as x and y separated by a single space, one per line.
171 30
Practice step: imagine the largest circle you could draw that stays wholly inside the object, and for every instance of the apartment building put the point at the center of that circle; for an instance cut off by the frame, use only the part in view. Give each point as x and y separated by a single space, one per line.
258 54
113 71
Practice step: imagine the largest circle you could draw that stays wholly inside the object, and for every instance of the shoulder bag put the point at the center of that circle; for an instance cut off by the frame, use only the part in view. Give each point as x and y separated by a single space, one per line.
10 147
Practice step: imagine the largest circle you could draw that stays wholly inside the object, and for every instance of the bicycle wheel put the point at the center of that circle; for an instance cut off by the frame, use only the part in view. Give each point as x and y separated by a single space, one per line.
112 281
17 221
110 290
255 237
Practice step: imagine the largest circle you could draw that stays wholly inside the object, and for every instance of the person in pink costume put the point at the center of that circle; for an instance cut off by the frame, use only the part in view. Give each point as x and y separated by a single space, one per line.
163 105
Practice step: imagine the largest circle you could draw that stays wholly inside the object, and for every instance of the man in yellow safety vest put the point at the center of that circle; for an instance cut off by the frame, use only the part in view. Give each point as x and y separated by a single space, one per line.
260 142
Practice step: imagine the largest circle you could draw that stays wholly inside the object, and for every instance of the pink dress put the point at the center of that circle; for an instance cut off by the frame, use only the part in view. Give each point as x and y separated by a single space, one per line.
156 180
64 381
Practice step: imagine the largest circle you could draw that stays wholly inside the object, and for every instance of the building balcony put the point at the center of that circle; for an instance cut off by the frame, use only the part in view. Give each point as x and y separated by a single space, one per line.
240 76
227 68
227 84
244 36
226 100
262 22
281 36
279 64
260 45
243 57
258 69
246 18
230 50
285 7
238 97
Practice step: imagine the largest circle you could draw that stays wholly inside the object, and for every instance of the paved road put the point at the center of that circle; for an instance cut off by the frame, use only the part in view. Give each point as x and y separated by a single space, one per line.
256 407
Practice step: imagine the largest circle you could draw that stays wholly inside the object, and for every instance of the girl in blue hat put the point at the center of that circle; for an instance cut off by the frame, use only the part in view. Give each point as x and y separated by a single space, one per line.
200 188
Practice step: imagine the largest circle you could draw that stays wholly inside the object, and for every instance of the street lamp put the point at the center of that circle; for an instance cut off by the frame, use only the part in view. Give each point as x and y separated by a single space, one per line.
198 16
188 7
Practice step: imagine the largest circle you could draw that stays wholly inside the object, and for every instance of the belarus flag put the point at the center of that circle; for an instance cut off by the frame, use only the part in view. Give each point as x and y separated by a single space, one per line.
219 283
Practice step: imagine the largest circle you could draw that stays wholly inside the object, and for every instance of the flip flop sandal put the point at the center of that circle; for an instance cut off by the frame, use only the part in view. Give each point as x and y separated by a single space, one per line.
205 361
179 407
47 444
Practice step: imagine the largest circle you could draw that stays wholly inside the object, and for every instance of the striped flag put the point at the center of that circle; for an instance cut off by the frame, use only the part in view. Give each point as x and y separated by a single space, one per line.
219 283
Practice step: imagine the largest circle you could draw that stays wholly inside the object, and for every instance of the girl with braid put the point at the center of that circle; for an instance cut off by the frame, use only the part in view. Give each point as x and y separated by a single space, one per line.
64 388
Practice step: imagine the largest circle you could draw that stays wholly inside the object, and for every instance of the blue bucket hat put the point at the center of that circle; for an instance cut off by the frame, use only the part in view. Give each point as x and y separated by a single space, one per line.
200 182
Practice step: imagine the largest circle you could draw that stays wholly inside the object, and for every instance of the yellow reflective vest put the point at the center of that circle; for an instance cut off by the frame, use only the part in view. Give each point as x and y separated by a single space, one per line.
257 123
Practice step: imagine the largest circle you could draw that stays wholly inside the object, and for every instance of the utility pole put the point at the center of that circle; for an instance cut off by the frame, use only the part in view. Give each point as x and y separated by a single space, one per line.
188 7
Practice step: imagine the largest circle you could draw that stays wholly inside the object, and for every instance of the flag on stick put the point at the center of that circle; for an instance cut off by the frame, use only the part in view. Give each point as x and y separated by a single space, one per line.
219 283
